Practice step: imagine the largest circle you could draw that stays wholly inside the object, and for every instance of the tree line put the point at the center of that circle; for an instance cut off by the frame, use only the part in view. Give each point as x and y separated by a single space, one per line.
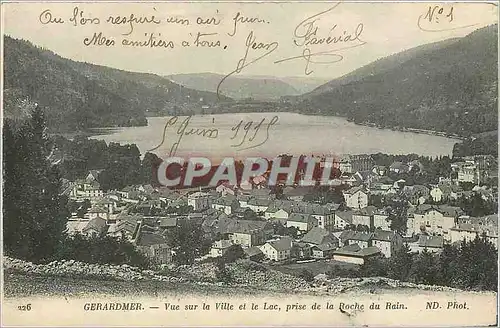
471 265
35 213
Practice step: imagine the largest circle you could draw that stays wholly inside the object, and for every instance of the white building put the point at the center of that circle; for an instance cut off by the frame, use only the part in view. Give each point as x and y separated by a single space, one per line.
356 197
199 200
433 219
277 250
220 247
469 231
303 222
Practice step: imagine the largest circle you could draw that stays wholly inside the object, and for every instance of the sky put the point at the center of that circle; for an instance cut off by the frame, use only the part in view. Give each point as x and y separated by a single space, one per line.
266 34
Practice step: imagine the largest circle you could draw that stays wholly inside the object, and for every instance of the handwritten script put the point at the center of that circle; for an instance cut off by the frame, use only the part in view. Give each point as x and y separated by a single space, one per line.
318 39
438 18
246 134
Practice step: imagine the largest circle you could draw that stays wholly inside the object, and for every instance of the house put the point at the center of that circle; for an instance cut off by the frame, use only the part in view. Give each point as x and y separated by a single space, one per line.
381 220
168 223
259 182
243 200
126 191
387 241
343 219
348 179
356 197
254 254
88 189
443 192
364 216
417 194
92 175
109 204
303 222
258 204
98 211
301 250
262 193
399 167
68 189
247 233
362 239
363 177
382 186
75 226
355 254
318 236
296 193
199 200
166 195
227 204
433 244
469 231
488 220
220 247
468 172
379 170
325 214
146 188
154 246
123 228
95 227
436 194
277 250
353 163
433 219
225 189
323 250
277 211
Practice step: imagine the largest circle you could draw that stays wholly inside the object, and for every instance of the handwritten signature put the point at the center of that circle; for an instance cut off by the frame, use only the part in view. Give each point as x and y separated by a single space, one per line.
307 34
440 18
213 133
251 46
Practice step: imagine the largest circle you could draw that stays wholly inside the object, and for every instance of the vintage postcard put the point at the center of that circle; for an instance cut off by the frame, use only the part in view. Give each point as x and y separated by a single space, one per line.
250 164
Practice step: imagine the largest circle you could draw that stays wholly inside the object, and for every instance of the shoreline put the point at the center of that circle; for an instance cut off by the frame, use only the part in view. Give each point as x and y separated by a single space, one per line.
94 132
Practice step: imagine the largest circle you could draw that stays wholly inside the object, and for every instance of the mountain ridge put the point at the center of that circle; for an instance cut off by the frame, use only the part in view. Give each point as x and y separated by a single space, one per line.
236 86
80 96
452 88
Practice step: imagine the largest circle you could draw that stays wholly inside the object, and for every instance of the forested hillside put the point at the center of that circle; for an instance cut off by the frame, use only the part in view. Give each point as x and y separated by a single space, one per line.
78 96
452 88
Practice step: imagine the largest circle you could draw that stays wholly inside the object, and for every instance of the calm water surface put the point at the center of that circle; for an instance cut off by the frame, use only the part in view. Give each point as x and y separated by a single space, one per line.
292 134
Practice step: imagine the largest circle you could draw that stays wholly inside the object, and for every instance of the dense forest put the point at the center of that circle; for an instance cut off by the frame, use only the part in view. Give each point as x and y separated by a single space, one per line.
481 144
78 96
452 88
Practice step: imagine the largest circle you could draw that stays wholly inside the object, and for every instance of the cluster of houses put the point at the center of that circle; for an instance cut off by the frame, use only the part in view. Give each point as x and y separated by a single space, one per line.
289 228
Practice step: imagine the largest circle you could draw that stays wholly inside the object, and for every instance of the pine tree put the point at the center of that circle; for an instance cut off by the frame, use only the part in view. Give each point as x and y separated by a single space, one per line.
36 215
425 268
400 264
448 267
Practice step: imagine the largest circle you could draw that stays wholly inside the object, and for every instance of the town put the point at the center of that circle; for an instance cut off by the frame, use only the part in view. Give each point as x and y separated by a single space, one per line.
370 211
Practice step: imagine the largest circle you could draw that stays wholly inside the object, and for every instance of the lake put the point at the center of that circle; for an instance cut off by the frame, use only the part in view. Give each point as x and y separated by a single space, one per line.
241 135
